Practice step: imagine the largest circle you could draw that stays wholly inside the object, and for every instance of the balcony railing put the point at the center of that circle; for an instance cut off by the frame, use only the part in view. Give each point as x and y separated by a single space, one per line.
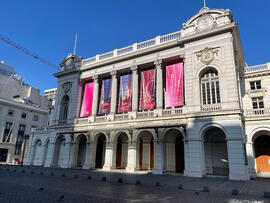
173 111
121 116
145 114
257 112
261 67
212 107
132 48
82 120
101 118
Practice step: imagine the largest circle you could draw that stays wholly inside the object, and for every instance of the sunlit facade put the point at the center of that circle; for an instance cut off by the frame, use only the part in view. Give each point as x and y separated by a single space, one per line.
173 103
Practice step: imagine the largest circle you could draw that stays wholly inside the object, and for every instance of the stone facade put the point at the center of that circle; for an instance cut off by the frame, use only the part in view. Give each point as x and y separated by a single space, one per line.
206 136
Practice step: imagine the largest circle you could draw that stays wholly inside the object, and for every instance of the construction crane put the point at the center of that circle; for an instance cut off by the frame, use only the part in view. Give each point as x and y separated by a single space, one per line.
24 50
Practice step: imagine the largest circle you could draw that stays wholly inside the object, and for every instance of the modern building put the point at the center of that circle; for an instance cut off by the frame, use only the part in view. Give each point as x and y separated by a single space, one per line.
184 102
22 109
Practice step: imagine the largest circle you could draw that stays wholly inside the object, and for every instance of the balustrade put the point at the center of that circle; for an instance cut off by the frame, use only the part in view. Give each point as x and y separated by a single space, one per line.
212 107
257 112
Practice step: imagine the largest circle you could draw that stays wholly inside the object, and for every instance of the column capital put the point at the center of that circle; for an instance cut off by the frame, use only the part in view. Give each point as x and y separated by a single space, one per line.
134 67
95 77
113 73
158 62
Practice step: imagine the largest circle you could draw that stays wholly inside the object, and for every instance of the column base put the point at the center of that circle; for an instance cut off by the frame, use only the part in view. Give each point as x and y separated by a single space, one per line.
47 165
239 174
157 171
130 169
107 168
193 173
86 166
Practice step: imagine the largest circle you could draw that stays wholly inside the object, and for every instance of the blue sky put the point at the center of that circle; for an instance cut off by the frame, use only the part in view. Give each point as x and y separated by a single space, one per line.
48 28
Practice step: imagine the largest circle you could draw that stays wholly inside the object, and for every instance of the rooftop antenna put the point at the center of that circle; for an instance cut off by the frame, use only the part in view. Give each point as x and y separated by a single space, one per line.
75 44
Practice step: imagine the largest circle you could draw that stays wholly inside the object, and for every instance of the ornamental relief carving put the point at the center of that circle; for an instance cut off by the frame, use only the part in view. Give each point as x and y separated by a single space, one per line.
207 55
66 87
205 22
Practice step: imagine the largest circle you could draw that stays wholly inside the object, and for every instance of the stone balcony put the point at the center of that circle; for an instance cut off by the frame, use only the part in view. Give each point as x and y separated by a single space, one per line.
257 112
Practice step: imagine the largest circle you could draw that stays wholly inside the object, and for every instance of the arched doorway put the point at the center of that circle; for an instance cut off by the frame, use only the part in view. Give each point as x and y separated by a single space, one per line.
145 152
81 150
45 152
215 152
121 151
262 152
100 151
174 150
36 160
59 151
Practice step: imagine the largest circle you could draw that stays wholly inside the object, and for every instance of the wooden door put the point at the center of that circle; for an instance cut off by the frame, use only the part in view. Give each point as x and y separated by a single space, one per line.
140 154
262 150
151 154
118 153
179 155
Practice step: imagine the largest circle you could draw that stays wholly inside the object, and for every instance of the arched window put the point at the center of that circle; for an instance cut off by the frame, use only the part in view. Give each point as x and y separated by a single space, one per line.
64 108
210 87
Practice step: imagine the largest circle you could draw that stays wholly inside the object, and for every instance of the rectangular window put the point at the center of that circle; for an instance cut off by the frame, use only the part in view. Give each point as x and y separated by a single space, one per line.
105 97
7 132
18 146
174 85
86 109
125 94
35 118
208 93
213 92
148 90
255 85
257 103
23 115
11 112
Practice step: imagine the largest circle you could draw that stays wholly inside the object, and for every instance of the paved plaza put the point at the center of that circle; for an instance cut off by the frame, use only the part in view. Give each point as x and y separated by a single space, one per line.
36 184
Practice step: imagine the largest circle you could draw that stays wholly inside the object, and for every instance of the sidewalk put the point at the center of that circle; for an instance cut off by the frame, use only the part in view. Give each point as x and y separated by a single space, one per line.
255 187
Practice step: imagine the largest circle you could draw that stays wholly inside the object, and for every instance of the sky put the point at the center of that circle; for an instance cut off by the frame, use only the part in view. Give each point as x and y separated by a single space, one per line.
48 28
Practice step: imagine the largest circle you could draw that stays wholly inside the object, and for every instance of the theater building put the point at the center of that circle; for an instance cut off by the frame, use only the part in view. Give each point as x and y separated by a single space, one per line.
177 103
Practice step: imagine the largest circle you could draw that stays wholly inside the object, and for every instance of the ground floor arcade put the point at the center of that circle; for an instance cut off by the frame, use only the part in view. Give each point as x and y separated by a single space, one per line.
206 149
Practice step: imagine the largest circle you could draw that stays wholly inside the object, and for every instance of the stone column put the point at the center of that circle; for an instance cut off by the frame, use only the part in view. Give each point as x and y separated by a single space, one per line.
236 156
50 153
251 159
68 152
108 156
86 164
29 151
158 156
114 94
131 159
95 97
159 90
135 91
93 154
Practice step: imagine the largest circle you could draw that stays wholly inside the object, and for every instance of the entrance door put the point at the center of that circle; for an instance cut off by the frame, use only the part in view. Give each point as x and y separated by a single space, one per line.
179 155
262 150
99 153
3 155
118 153
140 154
151 154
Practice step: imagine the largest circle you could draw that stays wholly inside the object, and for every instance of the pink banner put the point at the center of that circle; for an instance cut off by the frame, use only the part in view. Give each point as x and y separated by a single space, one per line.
148 89
125 95
86 109
174 85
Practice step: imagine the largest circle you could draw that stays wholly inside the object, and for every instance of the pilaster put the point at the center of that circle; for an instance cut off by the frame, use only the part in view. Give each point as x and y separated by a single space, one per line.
135 90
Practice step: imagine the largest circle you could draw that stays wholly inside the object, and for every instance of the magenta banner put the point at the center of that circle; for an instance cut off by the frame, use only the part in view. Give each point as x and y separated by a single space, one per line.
125 95
174 85
148 89
105 97
86 109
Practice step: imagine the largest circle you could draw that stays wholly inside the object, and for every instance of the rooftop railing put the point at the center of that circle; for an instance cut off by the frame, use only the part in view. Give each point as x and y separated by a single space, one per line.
132 48
261 67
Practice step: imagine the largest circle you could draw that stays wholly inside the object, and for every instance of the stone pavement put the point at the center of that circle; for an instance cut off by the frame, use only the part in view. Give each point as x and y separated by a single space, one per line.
218 187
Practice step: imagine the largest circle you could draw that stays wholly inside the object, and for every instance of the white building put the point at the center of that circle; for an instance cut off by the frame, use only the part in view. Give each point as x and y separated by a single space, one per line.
180 102
22 109
50 94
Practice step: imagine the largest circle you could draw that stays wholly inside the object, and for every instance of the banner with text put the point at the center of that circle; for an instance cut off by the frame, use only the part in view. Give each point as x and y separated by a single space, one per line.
86 109
105 97
125 94
174 95
148 90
